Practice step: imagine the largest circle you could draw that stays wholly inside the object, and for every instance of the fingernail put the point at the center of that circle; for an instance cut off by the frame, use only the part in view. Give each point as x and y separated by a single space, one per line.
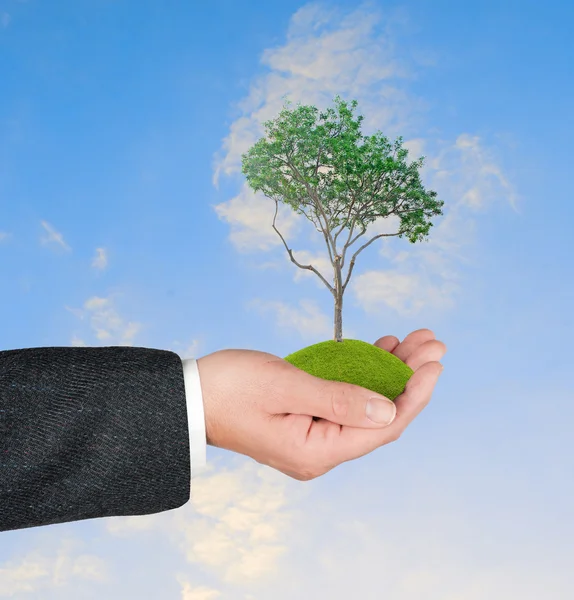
381 410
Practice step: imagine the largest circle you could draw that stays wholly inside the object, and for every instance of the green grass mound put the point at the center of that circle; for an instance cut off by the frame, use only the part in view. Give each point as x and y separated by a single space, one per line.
357 362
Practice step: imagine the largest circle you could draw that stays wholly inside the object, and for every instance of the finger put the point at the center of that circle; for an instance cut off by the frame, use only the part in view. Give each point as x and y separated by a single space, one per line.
411 342
417 394
388 343
353 442
336 401
433 350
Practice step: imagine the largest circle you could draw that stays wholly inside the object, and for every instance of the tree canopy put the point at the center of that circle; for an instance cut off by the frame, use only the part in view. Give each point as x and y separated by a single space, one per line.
324 168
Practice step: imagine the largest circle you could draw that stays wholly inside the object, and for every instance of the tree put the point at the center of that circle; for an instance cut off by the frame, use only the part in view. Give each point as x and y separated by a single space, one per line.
321 165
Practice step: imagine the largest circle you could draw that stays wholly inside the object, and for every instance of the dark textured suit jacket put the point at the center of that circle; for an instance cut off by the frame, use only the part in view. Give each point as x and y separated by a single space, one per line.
91 432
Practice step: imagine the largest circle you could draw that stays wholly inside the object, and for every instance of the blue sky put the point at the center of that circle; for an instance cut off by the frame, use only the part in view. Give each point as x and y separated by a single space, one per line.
125 220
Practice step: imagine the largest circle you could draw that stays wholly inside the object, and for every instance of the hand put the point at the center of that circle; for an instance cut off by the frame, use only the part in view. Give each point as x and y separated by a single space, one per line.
259 405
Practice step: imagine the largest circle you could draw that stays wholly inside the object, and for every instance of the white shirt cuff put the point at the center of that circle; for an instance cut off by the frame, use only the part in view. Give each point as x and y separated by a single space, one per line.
195 416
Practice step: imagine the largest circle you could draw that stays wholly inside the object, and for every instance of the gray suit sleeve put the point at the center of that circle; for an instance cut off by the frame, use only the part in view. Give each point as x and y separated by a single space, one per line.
91 432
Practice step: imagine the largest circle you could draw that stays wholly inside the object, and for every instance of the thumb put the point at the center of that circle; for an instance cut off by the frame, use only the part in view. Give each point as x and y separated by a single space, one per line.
346 404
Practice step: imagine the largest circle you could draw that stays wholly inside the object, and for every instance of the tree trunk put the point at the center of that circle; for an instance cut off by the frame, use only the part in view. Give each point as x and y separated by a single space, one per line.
338 295
338 318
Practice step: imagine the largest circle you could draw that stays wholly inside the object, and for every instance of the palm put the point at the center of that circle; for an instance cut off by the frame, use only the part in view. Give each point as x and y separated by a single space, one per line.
332 444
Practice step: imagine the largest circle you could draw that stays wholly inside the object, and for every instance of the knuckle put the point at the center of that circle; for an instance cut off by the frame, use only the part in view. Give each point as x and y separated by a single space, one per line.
339 403
336 395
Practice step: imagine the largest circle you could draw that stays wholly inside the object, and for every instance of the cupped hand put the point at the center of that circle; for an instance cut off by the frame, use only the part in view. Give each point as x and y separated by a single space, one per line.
259 405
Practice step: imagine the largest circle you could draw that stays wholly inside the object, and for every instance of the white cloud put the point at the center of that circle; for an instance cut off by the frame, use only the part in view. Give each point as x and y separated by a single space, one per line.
251 218
307 318
4 236
36 573
467 173
349 59
250 527
416 148
77 342
428 275
235 525
406 293
321 262
104 323
101 259
53 236
328 53
188 592
187 350
479 161
5 19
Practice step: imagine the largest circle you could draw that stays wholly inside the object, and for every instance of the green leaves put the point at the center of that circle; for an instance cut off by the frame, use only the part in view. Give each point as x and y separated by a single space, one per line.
319 163
320 160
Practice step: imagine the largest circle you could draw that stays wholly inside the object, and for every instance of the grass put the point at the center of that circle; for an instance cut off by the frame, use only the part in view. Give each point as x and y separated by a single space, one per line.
357 362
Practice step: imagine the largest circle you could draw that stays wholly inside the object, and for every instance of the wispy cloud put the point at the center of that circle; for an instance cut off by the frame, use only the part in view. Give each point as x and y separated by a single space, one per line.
251 215
328 52
470 169
104 323
4 236
5 19
240 536
100 261
307 319
240 520
66 565
53 237
406 293
321 262
190 350
428 275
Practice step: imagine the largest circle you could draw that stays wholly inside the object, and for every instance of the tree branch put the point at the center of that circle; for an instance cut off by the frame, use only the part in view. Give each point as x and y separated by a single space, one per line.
357 237
338 213
310 220
318 159
348 217
352 264
290 252
318 205
331 258
347 244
